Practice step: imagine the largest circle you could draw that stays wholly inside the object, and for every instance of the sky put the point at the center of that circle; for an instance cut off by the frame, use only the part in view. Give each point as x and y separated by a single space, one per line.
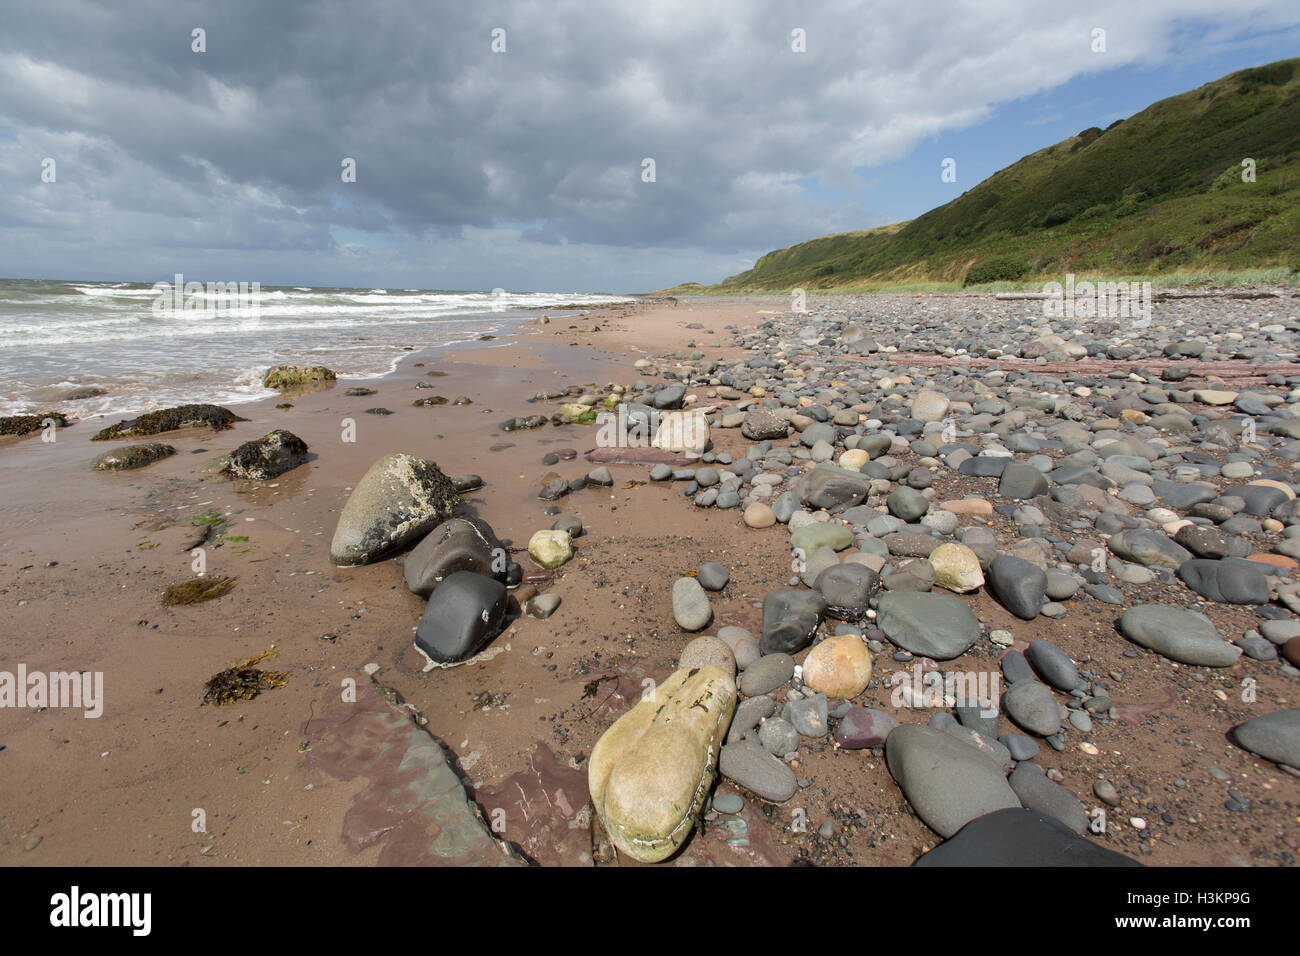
559 146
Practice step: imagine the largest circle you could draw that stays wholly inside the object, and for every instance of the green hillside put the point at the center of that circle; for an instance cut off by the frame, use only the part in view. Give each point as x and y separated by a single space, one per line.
1158 193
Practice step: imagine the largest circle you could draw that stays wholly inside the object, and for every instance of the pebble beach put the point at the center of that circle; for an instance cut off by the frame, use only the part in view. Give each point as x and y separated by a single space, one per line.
887 580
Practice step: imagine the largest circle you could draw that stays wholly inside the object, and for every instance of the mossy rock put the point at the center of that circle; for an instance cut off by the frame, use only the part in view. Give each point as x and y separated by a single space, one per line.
431 400
271 455
359 391
132 456
26 424
294 376
197 591
170 419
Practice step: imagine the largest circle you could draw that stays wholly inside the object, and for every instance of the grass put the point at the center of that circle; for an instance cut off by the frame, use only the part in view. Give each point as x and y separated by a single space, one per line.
1157 196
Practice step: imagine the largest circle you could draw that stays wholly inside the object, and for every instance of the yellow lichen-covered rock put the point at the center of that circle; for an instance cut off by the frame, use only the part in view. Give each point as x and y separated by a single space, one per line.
651 770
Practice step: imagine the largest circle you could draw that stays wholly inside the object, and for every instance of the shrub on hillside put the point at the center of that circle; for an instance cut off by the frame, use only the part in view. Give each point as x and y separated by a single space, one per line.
998 269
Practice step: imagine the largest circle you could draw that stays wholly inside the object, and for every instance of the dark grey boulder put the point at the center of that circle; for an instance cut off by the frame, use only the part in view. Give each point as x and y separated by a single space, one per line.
458 544
463 614
1019 585
1274 736
1053 665
847 589
932 625
1020 481
1227 581
1021 838
1177 634
790 617
1039 792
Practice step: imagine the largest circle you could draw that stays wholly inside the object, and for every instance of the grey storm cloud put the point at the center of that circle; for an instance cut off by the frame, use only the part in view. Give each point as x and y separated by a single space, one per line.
240 147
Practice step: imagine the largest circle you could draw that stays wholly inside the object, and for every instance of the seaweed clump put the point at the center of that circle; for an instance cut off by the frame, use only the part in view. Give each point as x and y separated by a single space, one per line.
197 591
26 424
243 680
170 419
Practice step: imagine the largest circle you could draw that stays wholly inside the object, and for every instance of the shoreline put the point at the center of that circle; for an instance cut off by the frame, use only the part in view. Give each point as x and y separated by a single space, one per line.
515 720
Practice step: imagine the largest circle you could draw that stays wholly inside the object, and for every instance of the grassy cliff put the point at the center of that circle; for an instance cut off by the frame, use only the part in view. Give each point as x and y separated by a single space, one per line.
1160 193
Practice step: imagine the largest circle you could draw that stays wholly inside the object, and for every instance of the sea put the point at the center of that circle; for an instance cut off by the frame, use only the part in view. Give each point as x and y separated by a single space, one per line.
152 345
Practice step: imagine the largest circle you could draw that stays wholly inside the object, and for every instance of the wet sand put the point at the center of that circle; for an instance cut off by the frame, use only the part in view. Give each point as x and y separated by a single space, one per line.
85 557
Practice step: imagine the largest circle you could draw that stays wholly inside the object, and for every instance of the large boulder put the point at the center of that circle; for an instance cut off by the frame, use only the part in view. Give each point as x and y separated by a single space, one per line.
1022 838
932 625
948 782
827 486
650 772
1177 634
761 424
458 544
267 457
463 614
1274 736
282 377
399 499
686 433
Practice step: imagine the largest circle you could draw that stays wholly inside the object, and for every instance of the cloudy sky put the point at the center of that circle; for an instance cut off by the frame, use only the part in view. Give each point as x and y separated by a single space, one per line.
523 167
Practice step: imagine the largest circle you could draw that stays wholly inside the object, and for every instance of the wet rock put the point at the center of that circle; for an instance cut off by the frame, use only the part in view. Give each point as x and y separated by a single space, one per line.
463 614
400 498
166 420
132 456
282 377
458 544
267 457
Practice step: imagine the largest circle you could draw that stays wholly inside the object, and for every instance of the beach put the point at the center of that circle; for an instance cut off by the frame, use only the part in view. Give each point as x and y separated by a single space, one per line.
284 779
